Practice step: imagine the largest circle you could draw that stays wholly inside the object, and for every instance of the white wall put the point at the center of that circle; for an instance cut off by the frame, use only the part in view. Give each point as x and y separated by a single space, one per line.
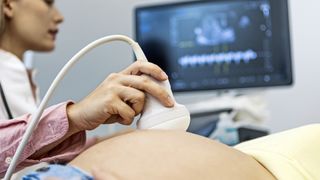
86 21
300 104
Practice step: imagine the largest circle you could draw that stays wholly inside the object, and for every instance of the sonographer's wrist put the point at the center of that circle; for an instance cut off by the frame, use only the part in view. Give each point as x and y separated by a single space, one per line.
73 118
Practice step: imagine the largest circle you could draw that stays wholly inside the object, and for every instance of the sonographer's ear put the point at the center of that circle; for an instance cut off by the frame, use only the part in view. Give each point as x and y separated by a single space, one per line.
7 8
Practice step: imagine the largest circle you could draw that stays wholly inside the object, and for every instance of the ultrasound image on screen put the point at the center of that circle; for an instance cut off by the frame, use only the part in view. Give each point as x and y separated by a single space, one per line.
212 45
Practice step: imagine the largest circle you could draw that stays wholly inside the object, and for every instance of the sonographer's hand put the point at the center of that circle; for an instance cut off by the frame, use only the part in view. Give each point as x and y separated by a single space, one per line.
120 97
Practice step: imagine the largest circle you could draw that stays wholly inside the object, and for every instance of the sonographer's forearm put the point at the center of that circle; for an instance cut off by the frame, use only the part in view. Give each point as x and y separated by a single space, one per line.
51 139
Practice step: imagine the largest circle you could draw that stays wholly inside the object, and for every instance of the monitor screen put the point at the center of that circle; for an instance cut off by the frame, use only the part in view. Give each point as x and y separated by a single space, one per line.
218 44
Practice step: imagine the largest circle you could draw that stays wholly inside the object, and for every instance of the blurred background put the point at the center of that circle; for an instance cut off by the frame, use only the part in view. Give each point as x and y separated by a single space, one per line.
86 21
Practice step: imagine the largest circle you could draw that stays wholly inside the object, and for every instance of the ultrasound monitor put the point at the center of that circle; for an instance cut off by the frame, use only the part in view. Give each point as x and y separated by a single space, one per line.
218 44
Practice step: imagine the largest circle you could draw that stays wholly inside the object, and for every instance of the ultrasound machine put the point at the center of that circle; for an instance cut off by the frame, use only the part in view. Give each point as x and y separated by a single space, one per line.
218 45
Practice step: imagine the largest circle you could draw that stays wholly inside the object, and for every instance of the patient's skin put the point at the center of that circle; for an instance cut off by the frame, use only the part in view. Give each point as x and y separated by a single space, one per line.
167 155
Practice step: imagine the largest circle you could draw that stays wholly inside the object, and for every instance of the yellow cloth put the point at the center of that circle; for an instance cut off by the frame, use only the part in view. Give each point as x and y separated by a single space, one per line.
289 155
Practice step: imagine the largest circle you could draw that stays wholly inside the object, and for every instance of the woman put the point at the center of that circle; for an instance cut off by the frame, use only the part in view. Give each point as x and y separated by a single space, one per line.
60 135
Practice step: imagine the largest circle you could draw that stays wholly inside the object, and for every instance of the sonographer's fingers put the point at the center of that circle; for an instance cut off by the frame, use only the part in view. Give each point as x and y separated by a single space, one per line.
119 98
133 97
124 111
100 107
147 68
149 86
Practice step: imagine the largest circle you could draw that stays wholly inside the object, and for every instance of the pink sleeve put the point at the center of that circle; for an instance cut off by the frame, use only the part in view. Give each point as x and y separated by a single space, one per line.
53 126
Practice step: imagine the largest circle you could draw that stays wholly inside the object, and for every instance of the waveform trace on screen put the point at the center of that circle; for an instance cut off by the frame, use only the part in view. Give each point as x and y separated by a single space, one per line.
227 57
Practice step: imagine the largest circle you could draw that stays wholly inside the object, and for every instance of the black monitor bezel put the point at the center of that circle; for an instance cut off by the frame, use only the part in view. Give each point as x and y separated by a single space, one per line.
283 5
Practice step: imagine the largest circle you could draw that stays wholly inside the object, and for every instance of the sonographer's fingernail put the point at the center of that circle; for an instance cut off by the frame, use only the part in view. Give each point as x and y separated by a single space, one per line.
170 101
164 75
